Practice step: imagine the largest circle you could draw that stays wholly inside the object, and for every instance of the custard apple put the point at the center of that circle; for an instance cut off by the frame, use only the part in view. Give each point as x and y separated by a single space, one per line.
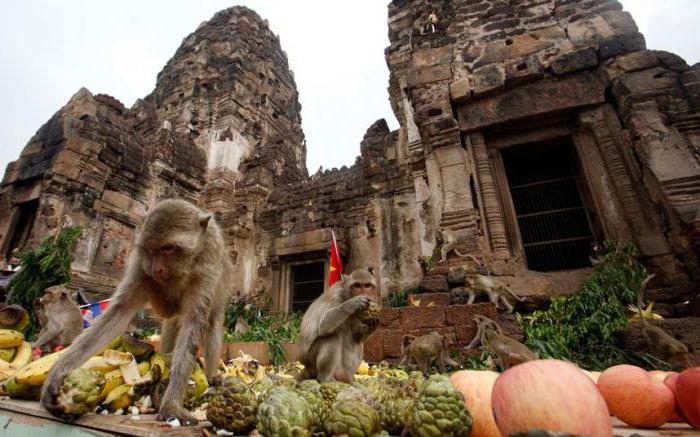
352 418
284 413
80 392
310 390
371 313
439 410
233 406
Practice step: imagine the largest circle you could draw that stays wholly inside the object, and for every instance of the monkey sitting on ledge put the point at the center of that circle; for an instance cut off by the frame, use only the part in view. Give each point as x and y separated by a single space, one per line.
179 264
331 341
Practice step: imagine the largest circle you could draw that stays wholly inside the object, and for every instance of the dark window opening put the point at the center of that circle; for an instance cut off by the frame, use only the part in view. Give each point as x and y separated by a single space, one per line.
554 223
23 227
307 284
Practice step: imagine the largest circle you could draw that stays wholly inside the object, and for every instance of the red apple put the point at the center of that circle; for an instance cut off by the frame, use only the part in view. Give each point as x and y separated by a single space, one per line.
636 398
552 395
688 395
670 382
476 386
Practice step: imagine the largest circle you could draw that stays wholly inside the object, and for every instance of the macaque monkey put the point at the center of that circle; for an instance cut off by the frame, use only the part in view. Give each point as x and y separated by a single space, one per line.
449 244
426 348
505 352
495 289
660 343
332 334
179 265
60 318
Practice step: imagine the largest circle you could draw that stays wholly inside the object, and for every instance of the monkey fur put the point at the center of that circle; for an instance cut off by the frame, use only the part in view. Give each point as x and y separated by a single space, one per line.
424 349
494 288
505 352
659 342
332 336
60 318
178 264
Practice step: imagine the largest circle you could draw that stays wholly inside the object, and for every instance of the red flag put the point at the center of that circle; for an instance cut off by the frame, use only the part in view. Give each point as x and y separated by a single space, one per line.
336 263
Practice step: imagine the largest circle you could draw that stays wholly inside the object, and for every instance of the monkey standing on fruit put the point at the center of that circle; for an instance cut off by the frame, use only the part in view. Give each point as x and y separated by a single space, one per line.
179 265
332 330
659 342
60 318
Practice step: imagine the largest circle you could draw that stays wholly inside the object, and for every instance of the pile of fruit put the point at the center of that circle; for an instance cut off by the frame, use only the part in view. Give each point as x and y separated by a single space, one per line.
127 375
372 406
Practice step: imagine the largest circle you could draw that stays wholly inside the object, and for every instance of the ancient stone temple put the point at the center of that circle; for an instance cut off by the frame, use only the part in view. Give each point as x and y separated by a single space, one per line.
530 132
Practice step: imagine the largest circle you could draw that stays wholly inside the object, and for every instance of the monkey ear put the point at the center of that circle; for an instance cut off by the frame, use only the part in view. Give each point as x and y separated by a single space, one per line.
204 221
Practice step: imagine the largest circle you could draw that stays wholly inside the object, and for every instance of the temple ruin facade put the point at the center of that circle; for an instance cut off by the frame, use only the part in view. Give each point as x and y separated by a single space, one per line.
531 131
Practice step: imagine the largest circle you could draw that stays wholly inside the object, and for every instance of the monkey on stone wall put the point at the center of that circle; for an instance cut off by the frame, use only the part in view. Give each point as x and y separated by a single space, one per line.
506 352
332 334
179 264
659 342
60 318
424 349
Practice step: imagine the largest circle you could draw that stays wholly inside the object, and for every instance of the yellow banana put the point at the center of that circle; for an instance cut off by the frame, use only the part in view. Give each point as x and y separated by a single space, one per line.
118 398
23 355
6 354
144 367
113 380
35 373
10 338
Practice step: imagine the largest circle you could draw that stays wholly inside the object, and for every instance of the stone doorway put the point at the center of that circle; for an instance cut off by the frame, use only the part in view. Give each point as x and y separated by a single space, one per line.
21 225
307 283
549 204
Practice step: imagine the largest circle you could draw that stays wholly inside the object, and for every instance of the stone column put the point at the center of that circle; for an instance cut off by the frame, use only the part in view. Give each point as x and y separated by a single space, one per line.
506 201
490 197
603 124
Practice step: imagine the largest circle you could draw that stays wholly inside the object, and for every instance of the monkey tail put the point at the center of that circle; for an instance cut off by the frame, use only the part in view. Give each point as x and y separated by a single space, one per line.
514 294
640 297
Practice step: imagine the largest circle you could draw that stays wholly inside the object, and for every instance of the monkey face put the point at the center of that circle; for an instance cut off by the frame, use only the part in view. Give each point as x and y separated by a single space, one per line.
53 296
167 262
361 283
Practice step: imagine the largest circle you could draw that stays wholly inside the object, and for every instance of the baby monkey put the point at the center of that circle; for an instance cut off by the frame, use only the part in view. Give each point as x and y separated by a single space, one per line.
178 264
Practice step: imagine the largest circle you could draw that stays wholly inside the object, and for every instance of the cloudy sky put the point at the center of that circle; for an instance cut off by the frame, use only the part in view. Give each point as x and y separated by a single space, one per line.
51 48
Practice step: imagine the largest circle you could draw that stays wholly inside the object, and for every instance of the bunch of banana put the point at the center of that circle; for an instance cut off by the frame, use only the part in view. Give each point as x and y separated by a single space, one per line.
14 352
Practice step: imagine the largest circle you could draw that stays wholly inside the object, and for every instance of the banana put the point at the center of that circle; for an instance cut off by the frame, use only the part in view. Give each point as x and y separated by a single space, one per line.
16 390
200 380
7 354
158 360
118 398
35 373
113 380
23 355
10 338
98 364
144 367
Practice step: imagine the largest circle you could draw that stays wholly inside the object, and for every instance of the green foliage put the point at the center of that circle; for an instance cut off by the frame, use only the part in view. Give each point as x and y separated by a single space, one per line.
43 267
398 298
263 327
478 362
583 328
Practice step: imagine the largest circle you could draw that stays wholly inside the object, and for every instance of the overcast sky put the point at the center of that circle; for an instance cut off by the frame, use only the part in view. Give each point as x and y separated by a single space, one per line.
51 48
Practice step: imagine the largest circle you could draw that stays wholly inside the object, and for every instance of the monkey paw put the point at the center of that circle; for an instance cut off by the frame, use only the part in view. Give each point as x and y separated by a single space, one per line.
176 412
49 399
359 303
